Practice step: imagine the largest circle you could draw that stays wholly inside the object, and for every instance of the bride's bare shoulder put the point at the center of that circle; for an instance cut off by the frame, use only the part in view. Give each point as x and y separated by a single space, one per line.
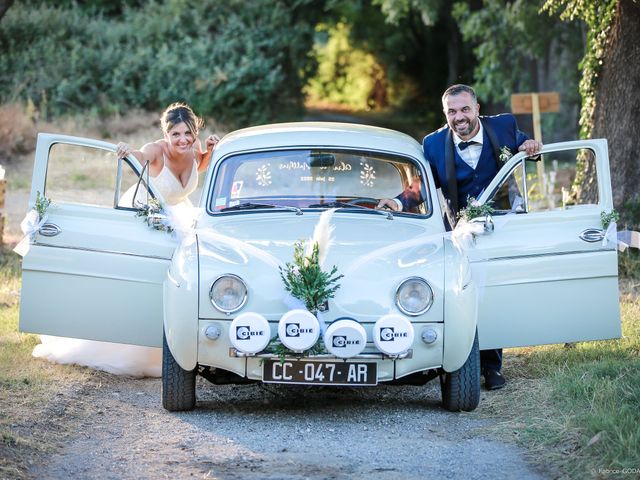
154 150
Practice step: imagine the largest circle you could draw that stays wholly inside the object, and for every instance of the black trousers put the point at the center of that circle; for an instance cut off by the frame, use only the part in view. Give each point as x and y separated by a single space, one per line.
490 360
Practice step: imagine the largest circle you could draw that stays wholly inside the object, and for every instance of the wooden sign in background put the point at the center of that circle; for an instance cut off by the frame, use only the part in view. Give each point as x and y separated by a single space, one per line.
535 103
525 102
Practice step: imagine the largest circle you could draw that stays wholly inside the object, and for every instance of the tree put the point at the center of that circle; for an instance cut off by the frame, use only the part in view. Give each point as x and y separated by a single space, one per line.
609 89
242 63
520 49
4 6
617 106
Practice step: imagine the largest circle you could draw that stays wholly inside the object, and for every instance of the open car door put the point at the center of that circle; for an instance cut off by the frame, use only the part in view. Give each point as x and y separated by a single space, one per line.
544 274
94 269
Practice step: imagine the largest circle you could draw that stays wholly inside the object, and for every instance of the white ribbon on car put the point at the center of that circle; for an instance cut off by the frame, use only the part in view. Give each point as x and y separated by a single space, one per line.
181 219
622 240
463 236
30 225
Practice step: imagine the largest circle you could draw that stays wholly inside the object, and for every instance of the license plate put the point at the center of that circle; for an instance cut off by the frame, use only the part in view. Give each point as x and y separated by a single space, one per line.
320 373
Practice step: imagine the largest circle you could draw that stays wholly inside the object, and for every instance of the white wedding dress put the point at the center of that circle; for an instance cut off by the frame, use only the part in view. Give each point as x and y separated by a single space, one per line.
116 358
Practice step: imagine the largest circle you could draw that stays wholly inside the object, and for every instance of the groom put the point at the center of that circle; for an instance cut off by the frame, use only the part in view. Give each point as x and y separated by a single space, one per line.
464 156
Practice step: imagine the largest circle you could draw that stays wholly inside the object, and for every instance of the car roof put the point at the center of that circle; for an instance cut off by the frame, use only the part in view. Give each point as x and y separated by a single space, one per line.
324 134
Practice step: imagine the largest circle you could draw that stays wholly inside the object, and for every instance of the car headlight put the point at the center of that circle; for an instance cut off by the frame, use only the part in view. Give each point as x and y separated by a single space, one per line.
414 296
228 293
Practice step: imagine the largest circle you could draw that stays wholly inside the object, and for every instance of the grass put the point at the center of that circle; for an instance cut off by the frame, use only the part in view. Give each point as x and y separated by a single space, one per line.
576 408
28 388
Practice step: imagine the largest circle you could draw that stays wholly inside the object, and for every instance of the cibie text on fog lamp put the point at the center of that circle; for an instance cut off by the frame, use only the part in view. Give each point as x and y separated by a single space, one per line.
249 333
228 293
298 330
414 296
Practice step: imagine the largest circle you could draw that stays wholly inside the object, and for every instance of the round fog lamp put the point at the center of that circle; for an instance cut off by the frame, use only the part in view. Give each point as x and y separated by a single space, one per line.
393 334
228 293
414 296
249 332
298 330
345 338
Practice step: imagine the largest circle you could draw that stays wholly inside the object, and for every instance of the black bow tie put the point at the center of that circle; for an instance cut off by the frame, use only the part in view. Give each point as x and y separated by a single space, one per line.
463 145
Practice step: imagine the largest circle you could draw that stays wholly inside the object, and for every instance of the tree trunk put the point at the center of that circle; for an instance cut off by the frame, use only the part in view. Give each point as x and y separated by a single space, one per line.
4 6
617 107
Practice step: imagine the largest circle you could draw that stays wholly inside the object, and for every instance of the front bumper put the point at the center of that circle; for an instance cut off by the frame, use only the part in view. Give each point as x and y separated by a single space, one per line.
220 353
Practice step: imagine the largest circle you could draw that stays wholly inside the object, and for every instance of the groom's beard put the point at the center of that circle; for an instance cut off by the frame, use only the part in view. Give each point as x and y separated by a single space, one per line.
466 127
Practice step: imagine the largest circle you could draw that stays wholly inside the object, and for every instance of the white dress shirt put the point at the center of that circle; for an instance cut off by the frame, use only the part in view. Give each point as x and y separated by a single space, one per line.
471 154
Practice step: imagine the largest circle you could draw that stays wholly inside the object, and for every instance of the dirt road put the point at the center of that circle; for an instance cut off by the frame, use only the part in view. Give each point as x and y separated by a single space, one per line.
272 432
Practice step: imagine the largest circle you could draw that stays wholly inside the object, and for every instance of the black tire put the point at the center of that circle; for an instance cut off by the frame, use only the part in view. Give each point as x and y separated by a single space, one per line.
461 389
178 385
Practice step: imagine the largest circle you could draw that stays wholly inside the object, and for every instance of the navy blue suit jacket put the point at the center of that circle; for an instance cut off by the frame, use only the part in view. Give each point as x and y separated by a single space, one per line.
499 131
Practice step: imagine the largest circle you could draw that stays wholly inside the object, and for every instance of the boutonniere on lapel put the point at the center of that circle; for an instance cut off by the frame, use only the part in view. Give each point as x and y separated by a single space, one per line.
505 154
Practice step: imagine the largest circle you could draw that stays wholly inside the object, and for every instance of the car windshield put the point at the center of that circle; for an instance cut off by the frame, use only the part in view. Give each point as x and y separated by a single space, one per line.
316 179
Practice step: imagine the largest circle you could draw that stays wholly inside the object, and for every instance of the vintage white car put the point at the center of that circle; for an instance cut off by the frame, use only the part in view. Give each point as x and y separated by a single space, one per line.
414 302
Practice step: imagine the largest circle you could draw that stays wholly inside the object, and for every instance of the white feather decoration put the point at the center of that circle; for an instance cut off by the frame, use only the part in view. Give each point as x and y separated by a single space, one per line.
323 235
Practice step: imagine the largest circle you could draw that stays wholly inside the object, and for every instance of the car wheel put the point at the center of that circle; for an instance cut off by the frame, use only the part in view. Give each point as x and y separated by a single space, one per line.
461 389
178 385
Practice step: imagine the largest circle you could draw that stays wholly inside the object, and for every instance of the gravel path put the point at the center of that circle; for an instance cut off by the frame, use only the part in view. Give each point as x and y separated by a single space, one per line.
276 432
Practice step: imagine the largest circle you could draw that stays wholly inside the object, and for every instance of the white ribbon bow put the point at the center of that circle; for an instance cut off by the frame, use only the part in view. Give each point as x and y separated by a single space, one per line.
464 234
622 240
30 225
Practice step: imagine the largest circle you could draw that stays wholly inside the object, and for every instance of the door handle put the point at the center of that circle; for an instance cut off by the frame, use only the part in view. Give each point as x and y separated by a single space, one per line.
49 230
592 235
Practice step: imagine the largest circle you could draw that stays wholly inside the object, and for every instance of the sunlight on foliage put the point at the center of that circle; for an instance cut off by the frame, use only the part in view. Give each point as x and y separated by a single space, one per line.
346 75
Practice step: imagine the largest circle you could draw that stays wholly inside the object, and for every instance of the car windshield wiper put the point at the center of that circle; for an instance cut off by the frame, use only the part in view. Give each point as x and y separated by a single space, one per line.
336 204
254 206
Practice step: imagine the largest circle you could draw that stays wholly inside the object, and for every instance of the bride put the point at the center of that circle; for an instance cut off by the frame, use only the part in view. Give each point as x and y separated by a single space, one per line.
174 164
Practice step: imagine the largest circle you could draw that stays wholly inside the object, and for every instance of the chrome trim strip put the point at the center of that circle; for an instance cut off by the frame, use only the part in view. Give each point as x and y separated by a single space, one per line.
96 250
234 353
538 255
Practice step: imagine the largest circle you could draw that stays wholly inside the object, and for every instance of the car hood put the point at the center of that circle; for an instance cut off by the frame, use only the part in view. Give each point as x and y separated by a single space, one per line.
372 253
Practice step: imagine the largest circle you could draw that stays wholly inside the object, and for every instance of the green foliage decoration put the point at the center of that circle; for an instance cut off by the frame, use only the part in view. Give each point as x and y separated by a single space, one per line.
154 216
608 217
42 204
277 347
305 279
475 210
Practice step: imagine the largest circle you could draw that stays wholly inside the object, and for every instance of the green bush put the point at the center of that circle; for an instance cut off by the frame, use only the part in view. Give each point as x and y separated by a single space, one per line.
239 62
